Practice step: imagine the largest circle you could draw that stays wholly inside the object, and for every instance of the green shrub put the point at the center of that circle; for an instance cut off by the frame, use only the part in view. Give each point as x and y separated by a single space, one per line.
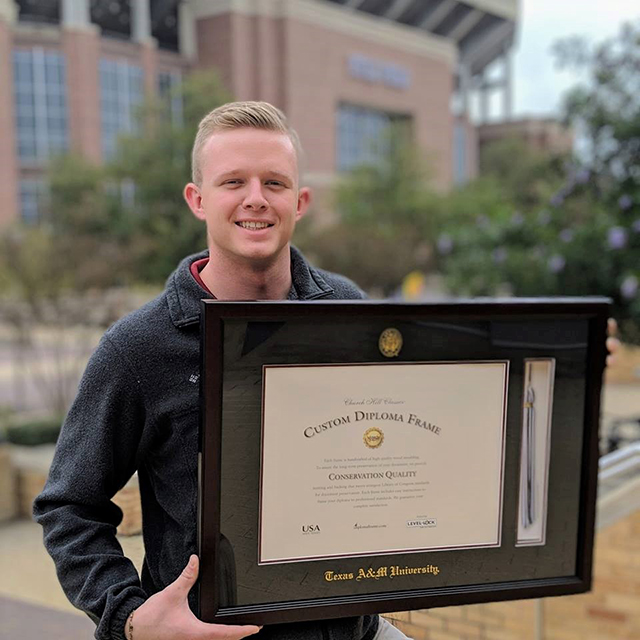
31 434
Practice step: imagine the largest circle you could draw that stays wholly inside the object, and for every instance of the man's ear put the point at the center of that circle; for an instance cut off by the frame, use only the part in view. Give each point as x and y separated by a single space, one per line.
304 200
193 198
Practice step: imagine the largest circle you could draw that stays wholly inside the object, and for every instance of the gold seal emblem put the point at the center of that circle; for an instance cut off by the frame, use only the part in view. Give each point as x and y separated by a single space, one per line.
390 342
373 437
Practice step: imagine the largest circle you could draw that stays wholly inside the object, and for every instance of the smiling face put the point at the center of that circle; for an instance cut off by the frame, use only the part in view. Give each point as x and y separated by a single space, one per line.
249 196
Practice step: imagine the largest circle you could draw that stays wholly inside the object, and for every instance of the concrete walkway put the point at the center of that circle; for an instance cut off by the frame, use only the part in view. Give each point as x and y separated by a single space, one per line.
32 622
32 603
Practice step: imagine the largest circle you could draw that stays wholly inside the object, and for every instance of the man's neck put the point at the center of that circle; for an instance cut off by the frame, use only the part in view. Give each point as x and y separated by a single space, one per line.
237 279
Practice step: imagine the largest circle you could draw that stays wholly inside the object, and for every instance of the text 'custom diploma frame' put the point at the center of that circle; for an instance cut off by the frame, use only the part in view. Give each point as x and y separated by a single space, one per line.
380 459
361 457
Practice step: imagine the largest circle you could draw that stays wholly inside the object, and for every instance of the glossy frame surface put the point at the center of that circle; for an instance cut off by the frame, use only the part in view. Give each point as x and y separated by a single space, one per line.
569 328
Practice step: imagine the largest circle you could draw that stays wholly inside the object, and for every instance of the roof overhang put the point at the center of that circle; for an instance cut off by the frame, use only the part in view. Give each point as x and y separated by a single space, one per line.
482 30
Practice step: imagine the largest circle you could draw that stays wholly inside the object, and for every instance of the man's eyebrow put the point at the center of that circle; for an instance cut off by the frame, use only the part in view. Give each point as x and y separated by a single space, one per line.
228 174
279 176
268 174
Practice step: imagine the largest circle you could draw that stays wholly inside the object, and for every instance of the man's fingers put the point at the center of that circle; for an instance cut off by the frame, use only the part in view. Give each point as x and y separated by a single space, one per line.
226 631
208 631
183 583
613 345
199 630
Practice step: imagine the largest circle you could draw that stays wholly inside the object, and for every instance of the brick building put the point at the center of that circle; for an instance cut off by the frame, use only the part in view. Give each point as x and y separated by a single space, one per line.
73 71
541 134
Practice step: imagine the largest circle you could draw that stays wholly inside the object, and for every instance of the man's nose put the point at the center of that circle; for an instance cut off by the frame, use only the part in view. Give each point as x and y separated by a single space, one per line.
255 199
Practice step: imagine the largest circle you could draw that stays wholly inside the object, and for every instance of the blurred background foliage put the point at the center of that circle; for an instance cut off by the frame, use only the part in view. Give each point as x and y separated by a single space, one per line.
533 224
158 162
385 222
116 224
109 231
571 225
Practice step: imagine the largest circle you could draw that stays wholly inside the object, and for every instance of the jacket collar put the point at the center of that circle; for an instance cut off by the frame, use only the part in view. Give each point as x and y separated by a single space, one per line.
184 293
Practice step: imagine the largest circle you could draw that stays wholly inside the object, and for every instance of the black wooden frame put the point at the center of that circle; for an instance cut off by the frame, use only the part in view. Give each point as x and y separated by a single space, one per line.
216 313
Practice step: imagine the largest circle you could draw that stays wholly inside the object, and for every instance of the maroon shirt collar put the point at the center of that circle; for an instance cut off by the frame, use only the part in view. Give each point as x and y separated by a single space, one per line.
196 268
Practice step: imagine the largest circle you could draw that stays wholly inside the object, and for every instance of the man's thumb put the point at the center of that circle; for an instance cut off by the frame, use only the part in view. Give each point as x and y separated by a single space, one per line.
182 585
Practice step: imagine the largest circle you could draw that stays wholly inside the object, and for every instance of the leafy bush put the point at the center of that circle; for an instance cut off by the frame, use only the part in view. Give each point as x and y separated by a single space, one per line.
37 432
582 237
387 219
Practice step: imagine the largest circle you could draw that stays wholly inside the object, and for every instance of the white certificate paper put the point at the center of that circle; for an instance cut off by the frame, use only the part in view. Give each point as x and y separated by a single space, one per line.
370 459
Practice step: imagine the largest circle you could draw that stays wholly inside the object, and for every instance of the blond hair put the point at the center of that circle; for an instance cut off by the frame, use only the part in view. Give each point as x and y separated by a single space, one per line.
237 115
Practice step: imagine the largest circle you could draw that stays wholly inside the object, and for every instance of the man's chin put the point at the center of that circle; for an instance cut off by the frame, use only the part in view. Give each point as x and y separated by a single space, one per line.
261 256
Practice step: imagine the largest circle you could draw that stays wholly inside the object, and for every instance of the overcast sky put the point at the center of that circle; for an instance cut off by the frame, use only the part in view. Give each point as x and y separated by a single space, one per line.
538 85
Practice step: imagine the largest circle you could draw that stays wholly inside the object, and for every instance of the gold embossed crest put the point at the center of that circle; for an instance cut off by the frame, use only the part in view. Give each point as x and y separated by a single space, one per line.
373 437
390 342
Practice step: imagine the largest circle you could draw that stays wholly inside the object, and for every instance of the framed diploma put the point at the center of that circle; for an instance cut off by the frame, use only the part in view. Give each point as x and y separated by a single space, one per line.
362 457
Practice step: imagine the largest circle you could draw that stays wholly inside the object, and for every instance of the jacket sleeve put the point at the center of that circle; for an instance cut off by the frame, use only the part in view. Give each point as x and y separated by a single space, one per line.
95 456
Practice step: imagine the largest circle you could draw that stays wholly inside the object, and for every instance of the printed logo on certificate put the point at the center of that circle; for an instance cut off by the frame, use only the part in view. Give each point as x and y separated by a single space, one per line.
372 459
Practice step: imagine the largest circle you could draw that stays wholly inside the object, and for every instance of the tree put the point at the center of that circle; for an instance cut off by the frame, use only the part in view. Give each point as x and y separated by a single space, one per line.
606 109
141 238
580 235
386 220
157 160
48 286
90 241
528 175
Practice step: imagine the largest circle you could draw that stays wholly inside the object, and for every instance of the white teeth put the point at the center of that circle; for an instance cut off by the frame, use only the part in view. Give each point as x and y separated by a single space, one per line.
254 225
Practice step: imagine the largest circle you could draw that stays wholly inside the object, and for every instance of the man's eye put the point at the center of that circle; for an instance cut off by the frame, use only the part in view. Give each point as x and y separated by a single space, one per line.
232 182
275 183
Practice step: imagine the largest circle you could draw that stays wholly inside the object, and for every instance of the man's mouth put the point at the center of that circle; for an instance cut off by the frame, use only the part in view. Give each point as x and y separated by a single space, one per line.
254 225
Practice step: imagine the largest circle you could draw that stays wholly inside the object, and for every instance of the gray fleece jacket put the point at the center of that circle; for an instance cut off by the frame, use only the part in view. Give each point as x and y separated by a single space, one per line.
137 410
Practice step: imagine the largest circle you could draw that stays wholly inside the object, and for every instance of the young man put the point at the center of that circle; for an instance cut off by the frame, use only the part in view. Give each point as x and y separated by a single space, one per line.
137 403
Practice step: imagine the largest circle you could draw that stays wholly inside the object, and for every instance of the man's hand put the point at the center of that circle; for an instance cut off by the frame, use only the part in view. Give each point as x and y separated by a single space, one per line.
613 344
166 615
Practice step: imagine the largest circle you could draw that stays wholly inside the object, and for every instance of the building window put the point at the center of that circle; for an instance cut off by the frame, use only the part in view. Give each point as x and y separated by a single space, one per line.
169 91
362 135
121 92
165 24
39 11
40 104
113 17
34 198
460 175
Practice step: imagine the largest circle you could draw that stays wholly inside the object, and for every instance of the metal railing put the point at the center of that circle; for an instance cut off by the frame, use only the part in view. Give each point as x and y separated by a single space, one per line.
619 463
